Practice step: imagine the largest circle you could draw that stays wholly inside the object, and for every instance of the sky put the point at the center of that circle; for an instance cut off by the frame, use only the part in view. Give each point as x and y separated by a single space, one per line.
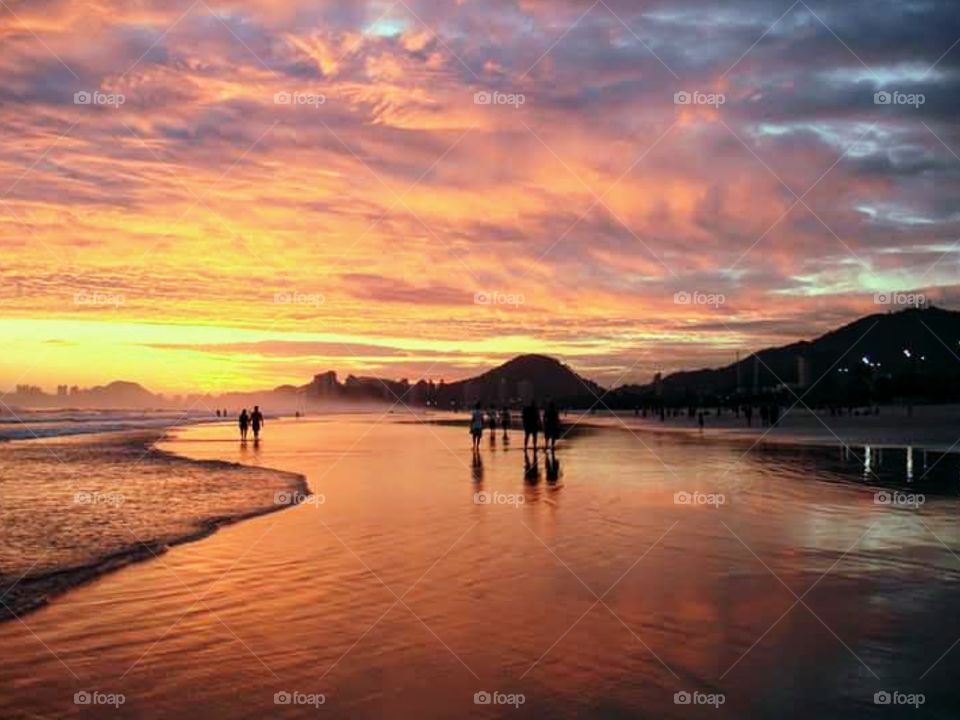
205 196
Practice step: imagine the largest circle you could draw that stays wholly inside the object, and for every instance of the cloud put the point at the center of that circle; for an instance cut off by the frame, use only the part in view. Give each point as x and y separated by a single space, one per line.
340 149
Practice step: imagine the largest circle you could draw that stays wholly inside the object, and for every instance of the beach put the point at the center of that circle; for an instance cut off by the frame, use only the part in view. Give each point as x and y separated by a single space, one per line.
412 581
76 507
933 427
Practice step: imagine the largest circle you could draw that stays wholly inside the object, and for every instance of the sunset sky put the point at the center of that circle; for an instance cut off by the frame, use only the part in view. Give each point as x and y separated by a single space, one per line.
232 195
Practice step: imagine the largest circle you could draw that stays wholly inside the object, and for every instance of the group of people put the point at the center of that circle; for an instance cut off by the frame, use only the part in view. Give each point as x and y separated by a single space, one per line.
252 421
533 421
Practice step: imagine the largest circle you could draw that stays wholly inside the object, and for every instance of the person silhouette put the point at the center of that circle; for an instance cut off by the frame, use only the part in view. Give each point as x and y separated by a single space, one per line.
476 426
505 421
244 422
530 416
551 426
256 421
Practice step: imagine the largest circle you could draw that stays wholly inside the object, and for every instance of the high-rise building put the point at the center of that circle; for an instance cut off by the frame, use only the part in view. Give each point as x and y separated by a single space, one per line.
803 371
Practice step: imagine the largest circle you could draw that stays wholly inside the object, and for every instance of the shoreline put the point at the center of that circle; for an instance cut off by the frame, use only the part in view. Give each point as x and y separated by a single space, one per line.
928 429
31 592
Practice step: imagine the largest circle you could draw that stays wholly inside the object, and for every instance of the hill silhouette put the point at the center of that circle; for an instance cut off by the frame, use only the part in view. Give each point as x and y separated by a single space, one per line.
523 378
914 351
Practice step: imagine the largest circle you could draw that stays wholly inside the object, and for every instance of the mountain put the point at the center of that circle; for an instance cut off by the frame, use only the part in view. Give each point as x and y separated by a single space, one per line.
523 378
520 379
118 394
910 354
913 352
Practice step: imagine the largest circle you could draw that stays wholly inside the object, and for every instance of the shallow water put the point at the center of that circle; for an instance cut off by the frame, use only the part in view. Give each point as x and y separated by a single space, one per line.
775 579
28 424
74 508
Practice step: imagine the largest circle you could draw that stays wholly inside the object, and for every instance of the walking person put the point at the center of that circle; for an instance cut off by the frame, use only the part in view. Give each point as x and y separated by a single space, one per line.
244 422
476 426
551 426
256 421
492 424
505 421
530 416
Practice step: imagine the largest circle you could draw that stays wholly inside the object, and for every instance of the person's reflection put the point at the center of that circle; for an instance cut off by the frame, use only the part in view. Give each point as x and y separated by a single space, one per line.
476 469
531 470
553 468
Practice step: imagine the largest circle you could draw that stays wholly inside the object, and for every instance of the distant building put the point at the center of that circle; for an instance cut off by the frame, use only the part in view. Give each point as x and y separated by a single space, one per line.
419 393
803 371
503 392
525 390
471 393
323 385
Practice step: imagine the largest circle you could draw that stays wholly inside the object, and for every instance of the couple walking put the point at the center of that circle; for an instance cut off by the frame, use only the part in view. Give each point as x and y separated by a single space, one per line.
533 425
254 419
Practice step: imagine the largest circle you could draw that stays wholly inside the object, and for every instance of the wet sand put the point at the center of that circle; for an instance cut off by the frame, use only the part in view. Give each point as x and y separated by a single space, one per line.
395 593
934 427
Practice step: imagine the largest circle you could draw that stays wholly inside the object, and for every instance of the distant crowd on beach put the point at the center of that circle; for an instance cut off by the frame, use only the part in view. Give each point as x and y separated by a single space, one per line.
533 421
770 413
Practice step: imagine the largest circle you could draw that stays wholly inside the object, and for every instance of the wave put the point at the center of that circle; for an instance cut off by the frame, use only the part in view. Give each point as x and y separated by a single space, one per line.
78 509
